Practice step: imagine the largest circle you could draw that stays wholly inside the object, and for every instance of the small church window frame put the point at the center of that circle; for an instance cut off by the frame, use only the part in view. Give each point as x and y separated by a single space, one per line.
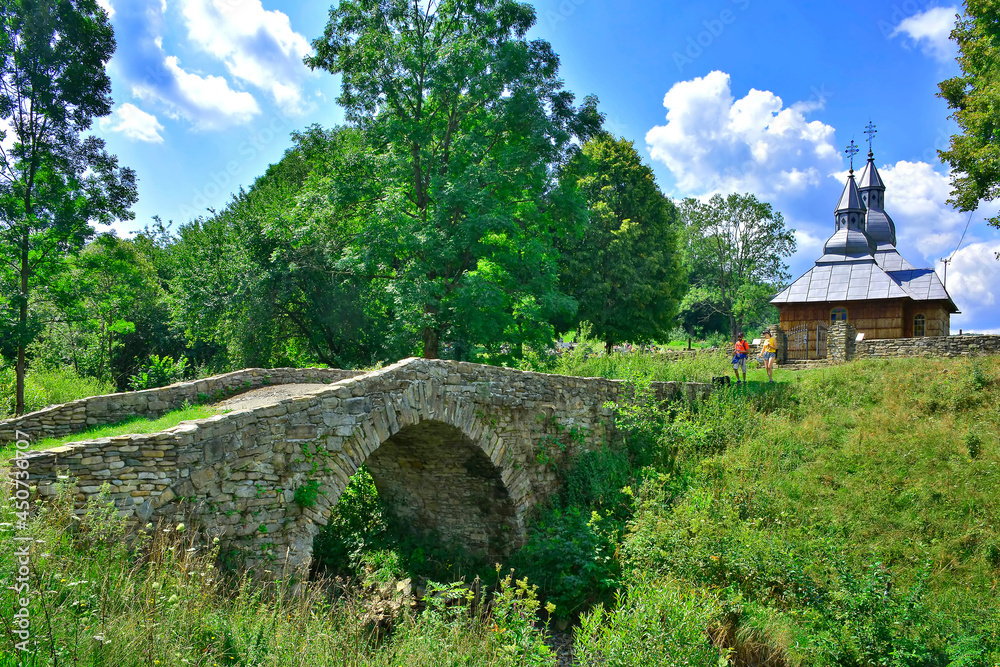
919 325
838 314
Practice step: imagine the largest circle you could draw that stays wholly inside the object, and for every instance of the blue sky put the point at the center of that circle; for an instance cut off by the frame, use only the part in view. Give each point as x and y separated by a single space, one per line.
720 96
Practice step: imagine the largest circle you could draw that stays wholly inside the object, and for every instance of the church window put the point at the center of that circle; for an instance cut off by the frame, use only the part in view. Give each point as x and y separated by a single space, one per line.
919 326
838 315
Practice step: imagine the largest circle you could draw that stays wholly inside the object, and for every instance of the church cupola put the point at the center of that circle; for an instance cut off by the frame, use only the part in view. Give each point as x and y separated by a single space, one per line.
878 225
850 240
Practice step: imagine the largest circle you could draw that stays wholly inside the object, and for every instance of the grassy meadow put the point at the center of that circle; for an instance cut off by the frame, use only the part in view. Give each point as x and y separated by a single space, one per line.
845 516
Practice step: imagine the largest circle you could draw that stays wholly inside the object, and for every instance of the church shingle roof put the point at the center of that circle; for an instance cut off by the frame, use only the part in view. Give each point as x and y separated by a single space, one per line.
860 261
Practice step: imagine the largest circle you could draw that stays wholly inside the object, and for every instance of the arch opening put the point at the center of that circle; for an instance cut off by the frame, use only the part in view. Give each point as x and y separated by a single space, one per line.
428 484
436 483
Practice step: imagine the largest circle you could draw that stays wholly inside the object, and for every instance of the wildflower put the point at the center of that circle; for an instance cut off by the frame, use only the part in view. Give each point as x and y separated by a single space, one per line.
549 607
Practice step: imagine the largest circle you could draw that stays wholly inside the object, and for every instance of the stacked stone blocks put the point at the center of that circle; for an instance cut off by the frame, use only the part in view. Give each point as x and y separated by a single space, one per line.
60 420
456 448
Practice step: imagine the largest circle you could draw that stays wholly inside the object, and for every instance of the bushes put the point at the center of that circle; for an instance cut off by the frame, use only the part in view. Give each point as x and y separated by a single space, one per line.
571 556
656 622
159 372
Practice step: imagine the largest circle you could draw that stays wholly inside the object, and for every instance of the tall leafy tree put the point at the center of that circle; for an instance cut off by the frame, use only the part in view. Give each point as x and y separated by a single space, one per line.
736 247
53 182
974 97
626 271
271 279
474 118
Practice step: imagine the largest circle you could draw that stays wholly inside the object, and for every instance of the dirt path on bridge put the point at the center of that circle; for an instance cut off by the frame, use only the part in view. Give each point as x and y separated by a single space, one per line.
256 398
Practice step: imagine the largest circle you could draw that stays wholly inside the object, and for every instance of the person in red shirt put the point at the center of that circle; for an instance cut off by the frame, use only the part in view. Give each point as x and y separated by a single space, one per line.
740 353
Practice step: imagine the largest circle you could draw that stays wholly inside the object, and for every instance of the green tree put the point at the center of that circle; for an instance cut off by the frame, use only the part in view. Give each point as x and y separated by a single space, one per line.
53 183
272 278
625 272
974 97
736 247
473 118
109 294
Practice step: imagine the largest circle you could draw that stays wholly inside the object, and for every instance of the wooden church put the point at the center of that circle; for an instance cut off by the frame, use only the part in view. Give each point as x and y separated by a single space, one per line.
862 279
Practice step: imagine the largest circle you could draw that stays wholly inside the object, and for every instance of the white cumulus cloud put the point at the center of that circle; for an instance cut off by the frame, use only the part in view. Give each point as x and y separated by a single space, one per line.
916 197
713 142
106 6
258 47
974 284
134 123
931 31
206 101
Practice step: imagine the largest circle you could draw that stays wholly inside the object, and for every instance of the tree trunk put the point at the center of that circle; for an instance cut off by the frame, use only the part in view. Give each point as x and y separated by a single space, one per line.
609 347
22 328
734 328
431 343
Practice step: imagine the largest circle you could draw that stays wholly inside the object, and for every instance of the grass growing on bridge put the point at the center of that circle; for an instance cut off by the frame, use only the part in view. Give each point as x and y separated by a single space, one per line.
136 425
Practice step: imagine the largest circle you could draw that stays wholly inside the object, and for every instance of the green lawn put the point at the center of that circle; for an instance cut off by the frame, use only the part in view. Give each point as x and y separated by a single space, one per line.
129 426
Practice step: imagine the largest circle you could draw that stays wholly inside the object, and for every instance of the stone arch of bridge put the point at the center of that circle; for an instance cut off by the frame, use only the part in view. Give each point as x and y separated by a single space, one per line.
441 473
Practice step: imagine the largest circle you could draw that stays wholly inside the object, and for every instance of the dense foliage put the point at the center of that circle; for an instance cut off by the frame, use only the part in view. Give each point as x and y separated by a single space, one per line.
625 271
736 248
975 100
54 183
471 119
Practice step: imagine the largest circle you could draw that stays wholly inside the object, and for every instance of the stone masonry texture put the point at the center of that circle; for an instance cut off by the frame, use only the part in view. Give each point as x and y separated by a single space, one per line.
459 451
59 420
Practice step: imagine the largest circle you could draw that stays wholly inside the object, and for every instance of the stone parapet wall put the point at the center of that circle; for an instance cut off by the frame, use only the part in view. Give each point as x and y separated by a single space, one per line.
76 416
469 451
931 346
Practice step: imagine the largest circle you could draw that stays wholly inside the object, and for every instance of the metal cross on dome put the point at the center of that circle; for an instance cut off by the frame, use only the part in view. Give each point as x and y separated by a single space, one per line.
870 131
851 151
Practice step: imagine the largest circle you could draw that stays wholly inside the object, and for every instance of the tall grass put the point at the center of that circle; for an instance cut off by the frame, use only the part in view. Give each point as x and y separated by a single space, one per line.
158 599
47 386
846 522
587 359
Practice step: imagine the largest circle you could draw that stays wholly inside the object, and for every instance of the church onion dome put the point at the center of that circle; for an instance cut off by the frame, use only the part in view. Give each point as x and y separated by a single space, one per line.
878 225
849 241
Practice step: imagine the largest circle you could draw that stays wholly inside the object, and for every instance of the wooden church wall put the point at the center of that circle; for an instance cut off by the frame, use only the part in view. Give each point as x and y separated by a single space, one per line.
877 319
938 319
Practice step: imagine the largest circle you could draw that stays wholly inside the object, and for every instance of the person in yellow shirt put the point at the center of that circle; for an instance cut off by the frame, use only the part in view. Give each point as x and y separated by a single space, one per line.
769 352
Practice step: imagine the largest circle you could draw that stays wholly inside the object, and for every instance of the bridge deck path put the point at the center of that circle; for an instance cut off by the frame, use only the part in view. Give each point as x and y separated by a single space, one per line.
256 398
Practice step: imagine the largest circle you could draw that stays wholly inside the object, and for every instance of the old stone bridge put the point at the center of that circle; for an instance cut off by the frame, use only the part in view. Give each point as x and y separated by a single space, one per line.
459 451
